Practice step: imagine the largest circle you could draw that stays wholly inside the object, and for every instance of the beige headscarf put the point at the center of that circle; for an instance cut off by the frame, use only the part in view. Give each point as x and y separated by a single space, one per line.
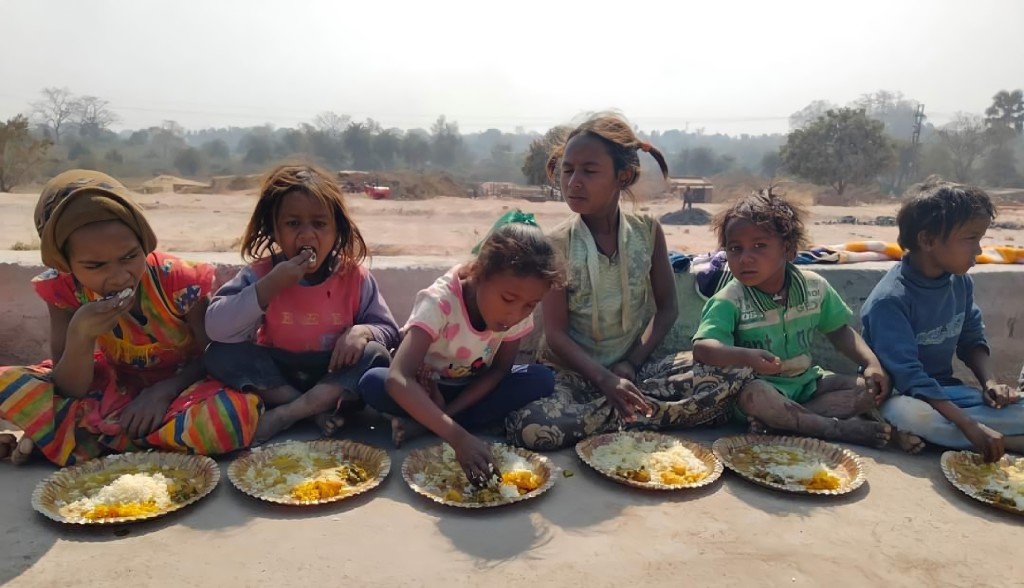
80 197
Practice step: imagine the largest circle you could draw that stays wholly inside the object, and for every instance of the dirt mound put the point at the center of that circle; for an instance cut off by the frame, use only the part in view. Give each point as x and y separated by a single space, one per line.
404 185
165 183
691 216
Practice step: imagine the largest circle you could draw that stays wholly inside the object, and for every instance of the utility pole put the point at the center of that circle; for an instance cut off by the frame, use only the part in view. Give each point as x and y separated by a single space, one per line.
908 165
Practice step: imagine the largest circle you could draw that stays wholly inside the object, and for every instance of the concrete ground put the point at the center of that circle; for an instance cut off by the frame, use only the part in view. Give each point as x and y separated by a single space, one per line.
906 527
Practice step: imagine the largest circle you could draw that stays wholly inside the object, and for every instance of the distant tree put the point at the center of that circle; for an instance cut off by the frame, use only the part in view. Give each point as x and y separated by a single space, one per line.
139 138
1007 111
188 161
258 148
702 161
965 141
895 111
93 116
332 123
55 110
537 155
810 113
416 149
20 152
358 141
771 164
446 142
113 156
843 147
999 167
216 149
386 146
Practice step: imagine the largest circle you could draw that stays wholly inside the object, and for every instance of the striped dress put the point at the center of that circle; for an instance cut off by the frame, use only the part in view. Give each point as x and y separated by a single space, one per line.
206 418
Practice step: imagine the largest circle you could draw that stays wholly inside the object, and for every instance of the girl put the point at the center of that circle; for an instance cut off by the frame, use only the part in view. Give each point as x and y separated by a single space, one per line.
765 318
301 323
455 367
620 302
127 331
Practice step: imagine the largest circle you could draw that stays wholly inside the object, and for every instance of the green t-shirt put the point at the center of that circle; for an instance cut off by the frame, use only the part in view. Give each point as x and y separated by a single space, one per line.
747 317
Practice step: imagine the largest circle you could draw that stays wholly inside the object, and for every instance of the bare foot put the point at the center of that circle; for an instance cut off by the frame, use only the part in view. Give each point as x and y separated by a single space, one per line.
756 427
403 429
271 423
909 442
863 432
329 423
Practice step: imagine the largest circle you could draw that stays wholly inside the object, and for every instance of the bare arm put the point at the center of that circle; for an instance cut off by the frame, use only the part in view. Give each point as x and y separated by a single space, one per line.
715 353
407 392
852 345
979 362
556 331
72 355
485 383
666 311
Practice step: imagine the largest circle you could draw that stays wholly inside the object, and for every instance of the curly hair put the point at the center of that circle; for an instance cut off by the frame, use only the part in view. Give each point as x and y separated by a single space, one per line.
937 207
258 240
769 211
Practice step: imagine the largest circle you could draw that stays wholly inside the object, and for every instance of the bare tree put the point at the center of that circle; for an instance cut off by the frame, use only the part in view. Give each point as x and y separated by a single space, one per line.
20 153
965 140
55 110
93 115
332 123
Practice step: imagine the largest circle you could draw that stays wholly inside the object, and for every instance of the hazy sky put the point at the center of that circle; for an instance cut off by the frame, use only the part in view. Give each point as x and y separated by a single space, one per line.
727 66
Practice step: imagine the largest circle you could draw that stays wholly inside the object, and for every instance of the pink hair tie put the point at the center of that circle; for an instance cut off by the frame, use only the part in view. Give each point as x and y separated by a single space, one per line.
645 147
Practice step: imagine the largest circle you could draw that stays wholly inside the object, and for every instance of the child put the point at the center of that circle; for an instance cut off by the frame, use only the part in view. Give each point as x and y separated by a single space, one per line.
127 333
620 302
923 311
455 367
765 318
301 323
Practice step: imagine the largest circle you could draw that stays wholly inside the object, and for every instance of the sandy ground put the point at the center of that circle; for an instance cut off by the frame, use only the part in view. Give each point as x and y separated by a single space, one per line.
439 226
906 527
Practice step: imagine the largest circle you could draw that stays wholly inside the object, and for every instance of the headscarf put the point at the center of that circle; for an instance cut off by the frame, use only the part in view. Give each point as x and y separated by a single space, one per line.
80 197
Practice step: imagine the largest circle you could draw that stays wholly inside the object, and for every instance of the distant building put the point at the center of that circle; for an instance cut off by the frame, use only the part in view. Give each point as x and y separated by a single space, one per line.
700 188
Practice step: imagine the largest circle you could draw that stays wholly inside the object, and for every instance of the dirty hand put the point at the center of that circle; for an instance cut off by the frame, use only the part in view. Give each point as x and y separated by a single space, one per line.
877 382
290 271
987 442
93 319
626 399
144 415
624 369
476 459
999 395
764 362
347 350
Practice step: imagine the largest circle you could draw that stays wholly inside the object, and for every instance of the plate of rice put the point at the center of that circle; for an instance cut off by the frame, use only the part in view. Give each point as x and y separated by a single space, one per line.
792 464
650 461
999 484
125 488
298 473
434 472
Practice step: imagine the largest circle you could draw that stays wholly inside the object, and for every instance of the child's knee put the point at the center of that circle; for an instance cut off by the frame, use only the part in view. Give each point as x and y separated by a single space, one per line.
911 415
372 384
753 393
376 355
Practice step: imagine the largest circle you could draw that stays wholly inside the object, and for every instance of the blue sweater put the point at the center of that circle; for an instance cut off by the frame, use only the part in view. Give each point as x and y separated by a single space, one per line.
915 324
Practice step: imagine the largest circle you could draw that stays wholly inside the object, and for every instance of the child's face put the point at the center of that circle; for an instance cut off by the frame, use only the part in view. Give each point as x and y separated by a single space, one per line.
505 299
303 222
757 257
106 257
957 253
588 180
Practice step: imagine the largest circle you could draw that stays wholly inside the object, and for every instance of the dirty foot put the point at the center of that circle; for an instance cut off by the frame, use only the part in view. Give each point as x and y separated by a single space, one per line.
909 442
8 445
271 423
24 451
756 427
863 432
404 429
329 423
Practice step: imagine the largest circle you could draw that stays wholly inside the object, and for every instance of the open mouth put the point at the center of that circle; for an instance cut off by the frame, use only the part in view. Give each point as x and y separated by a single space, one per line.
123 294
312 257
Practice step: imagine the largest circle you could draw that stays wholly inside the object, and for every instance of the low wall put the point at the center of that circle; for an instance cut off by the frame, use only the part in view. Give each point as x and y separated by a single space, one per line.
24 323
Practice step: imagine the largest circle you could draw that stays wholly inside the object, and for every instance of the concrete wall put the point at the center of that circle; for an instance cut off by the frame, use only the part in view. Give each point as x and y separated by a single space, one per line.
24 322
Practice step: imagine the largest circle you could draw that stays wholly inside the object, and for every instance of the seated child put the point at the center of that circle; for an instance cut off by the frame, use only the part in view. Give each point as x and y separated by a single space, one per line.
923 312
301 323
126 335
455 368
766 316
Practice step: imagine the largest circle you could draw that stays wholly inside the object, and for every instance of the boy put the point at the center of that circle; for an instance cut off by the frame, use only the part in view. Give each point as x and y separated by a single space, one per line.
923 311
